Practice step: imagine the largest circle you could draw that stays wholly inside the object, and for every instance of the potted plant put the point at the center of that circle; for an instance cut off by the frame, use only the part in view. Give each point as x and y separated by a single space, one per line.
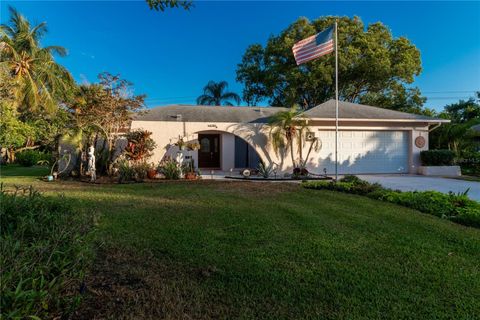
180 143
152 172
193 145
189 170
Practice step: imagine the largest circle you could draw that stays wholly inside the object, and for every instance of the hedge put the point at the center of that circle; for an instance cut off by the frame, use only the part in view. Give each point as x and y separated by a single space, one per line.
30 158
455 207
437 157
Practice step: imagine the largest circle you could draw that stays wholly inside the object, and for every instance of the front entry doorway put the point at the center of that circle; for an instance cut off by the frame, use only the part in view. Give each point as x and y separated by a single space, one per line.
209 152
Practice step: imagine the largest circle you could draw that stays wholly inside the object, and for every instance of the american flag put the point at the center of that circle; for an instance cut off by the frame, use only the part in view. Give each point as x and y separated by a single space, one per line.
314 46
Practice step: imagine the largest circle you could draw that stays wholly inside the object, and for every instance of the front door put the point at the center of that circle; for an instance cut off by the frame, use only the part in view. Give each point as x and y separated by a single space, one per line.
209 152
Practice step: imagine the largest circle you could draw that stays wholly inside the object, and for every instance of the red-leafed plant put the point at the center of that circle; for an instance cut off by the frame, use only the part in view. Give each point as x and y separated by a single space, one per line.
140 145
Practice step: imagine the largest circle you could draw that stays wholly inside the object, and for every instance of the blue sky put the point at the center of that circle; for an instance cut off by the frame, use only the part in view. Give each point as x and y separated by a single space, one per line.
170 56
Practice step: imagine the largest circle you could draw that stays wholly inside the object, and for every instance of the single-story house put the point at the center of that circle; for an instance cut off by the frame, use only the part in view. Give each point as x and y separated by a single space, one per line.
371 139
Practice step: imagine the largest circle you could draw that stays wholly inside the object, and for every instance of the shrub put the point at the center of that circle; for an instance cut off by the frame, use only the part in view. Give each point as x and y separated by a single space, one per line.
455 207
140 145
470 163
350 178
30 158
265 170
46 248
140 170
437 157
125 171
170 169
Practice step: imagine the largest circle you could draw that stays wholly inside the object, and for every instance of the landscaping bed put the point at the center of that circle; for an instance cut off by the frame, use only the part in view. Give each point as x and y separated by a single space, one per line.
259 178
455 207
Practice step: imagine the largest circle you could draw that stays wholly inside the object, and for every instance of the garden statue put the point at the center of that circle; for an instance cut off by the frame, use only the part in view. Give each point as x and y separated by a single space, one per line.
91 163
180 158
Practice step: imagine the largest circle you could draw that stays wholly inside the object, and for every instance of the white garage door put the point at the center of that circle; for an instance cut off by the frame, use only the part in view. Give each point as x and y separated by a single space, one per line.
364 151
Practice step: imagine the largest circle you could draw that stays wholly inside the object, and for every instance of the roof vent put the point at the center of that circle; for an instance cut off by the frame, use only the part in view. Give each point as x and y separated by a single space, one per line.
179 117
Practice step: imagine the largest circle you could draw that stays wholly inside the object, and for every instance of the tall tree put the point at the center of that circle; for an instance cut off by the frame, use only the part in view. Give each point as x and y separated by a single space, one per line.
104 110
464 111
374 67
216 94
459 135
162 5
41 83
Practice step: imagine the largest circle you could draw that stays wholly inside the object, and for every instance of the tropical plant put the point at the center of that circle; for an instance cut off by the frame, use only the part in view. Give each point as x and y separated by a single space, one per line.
288 132
140 145
170 169
101 112
265 170
125 171
40 82
375 67
216 94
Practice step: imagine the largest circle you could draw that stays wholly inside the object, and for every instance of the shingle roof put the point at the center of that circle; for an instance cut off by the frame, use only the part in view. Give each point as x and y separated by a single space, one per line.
347 110
194 113
326 110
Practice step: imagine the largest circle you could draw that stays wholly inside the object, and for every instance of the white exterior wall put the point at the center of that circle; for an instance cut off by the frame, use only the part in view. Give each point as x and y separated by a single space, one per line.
415 155
256 134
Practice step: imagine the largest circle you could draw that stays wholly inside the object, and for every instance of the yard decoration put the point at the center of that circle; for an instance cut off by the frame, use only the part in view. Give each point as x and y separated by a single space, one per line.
180 143
91 164
152 172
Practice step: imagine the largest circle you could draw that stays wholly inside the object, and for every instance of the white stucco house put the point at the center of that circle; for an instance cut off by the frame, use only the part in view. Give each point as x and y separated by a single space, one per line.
371 139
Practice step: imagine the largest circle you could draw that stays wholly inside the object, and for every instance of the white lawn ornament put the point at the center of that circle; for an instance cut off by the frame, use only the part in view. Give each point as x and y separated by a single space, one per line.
180 158
91 163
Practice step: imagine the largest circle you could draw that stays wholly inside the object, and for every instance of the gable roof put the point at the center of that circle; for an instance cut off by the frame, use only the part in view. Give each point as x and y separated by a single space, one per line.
194 113
324 111
355 111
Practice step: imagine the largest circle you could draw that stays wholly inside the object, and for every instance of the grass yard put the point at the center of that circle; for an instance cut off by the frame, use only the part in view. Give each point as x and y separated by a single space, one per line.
206 249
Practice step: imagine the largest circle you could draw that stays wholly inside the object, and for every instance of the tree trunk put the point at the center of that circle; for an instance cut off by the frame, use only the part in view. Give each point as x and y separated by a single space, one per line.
292 153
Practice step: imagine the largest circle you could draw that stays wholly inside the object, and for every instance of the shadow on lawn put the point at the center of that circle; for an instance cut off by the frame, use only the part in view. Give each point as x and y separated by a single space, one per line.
123 286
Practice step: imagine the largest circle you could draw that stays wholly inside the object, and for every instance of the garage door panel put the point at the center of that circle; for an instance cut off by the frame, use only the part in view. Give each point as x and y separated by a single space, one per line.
364 151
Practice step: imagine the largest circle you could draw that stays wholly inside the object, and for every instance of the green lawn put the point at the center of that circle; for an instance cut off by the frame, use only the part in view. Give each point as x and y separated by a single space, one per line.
268 251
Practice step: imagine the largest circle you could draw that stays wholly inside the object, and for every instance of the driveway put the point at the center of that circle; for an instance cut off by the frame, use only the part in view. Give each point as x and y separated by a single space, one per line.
422 183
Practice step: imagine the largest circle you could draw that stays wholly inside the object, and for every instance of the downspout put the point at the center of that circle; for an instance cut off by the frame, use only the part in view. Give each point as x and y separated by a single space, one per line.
435 127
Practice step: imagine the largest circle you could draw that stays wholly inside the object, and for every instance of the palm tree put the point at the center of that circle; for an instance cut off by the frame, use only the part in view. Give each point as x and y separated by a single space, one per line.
215 94
289 128
39 80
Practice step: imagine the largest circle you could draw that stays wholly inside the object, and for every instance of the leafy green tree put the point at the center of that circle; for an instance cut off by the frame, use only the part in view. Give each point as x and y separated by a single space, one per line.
458 135
464 111
374 68
41 83
103 111
162 5
216 94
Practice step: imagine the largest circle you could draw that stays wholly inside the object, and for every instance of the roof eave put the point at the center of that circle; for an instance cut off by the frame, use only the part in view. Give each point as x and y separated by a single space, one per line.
382 120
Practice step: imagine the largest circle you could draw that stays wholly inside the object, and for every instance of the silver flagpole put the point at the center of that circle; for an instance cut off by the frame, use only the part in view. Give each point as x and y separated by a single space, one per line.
336 101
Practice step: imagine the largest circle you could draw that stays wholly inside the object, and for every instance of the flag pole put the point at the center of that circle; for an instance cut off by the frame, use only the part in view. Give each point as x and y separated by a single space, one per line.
336 101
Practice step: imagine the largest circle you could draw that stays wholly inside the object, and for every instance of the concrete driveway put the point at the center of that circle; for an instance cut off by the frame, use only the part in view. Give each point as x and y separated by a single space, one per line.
422 183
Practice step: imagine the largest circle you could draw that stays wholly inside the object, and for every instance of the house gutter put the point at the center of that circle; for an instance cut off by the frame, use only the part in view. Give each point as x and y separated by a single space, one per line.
435 127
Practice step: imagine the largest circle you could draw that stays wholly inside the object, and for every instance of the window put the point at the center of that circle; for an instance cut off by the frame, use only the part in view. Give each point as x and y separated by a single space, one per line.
205 145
